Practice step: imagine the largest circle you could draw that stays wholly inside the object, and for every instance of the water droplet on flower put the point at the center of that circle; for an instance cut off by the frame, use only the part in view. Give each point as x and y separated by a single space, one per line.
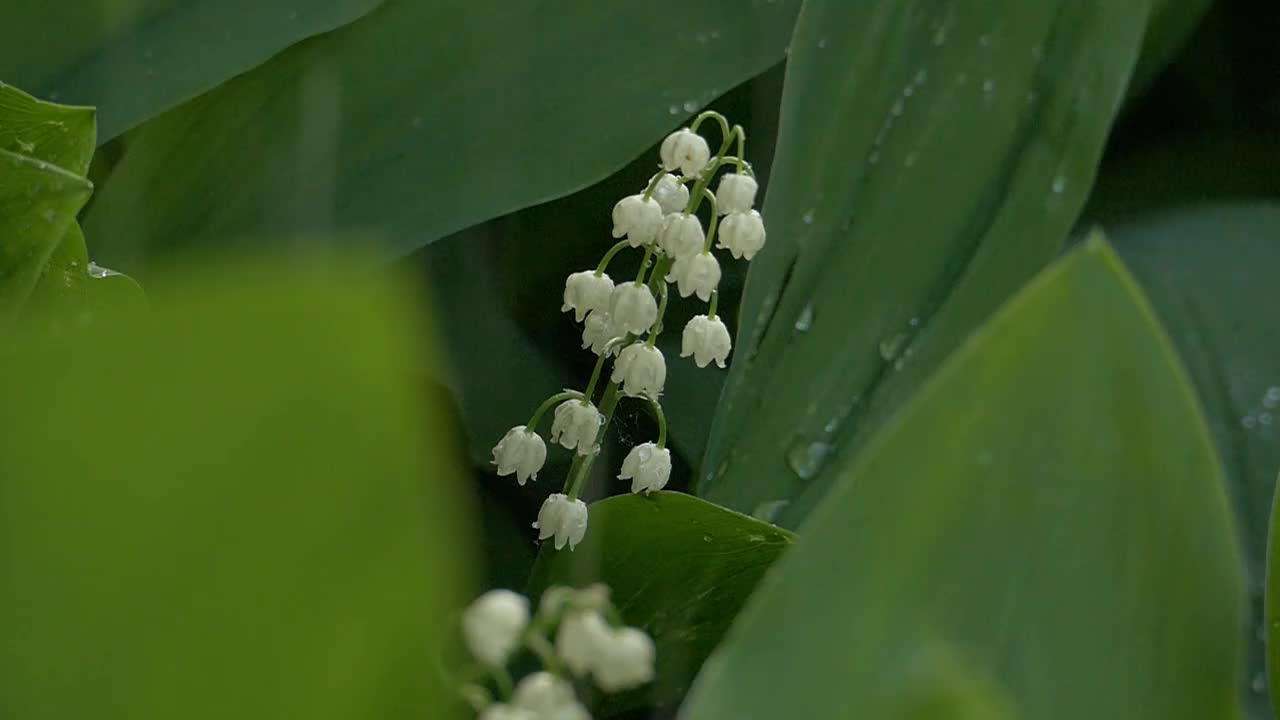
805 319
767 511
806 458
890 347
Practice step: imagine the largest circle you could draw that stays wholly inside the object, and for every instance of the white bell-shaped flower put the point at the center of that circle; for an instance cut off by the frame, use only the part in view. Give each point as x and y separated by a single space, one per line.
696 275
706 339
641 369
686 150
520 451
671 194
736 194
562 518
648 467
633 308
548 697
576 425
580 638
637 219
742 234
502 711
598 331
586 291
492 625
625 661
682 235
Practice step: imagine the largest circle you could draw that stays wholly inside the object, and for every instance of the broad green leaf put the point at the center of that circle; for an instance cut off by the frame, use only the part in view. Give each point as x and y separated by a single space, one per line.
1048 510
932 157
238 508
1172 22
425 118
1211 273
45 151
137 58
679 567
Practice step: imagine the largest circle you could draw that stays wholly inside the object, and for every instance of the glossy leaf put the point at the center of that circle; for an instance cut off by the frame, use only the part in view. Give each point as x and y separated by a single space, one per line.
137 58
932 156
425 118
679 567
236 509
1065 535
1211 274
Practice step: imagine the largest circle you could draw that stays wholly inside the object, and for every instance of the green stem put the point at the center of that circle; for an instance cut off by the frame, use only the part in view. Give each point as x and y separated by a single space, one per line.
595 377
696 195
579 470
653 184
715 299
715 220
724 122
546 653
547 404
502 677
662 311
644 264
742 152
662 422
604 261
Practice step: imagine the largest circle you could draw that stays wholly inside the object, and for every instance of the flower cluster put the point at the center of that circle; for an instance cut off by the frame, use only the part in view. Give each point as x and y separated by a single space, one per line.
573 637
622 320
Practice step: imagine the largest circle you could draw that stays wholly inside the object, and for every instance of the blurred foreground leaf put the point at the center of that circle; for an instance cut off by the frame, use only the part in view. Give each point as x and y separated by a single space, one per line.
237 508
679 567
1048 510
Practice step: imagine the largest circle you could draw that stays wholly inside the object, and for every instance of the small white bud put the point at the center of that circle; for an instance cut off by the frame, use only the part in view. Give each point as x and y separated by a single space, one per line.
742 234
648 467
563 518
682 236
548 698
637 219
686 150
696 275
633 308
586 291
580 638
501 711
671 194
641 370
598 331
492 625
625 661
706 339
575 425
520 451
736 194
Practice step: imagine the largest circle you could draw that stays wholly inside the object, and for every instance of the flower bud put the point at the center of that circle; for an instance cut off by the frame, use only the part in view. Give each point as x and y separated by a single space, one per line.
706 339
686 150
641 369
492 625
586 291
695 275
562 518
576 424
742 234
648 467
633 308
520 451
736 194
637 219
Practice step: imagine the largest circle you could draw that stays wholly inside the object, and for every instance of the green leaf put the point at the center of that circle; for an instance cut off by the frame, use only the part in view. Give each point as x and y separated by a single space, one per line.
1048 510
931 158
1211 274
45 150
1172 23
238 508
138 58
425 118
679 567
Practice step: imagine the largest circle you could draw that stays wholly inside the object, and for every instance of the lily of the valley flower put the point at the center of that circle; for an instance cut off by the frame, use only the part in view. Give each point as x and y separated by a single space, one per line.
492 625
598 331
736 194
648 467
641 369
686 150
575 425
548 698
742 234
706 339
520 451
637 219
682 236
579 639
625 660
562 518
586 291
633 308
502 711
671 194
696 275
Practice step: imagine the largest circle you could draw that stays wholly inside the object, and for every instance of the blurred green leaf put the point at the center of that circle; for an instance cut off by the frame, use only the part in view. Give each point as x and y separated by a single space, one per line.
425 118
236 509
45 151
679 567
137 58
1172 22
931 158
1211 273
1048 509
